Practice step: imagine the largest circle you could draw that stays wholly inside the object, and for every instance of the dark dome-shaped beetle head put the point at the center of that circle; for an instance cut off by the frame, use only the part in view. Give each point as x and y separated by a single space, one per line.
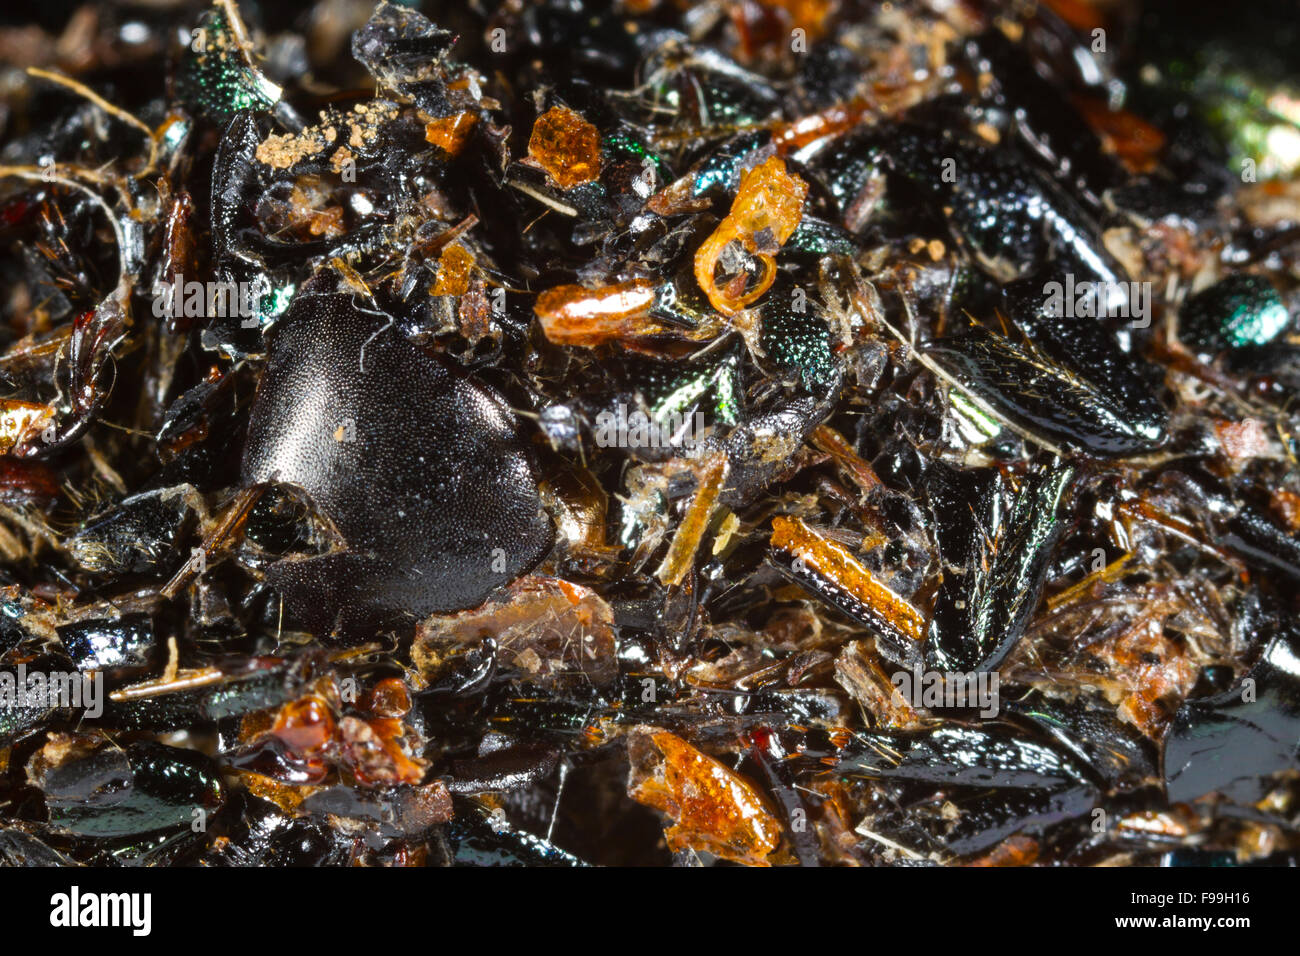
419 468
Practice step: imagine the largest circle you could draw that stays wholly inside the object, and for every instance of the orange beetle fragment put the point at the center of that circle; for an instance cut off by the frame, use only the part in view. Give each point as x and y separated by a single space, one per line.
454 267
566 146
809 15
389 698
1080 14
835 562
1243 440
21 421
765 213
551 629
576 315
834 444
375 751
807 129
714 808
1155 672
681 553
305 725
450 133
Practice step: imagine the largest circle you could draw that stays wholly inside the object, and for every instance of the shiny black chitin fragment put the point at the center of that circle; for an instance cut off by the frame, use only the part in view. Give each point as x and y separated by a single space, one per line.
1233 741
1043 398
109 645
997 551
415 464
1003 782
109 792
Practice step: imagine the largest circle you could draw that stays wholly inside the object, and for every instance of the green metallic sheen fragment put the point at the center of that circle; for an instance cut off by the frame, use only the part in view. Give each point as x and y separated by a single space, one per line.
273 304
1240 310
1241 85
1257 123
820 238
796 340
625 144
218 79
676 389
976 426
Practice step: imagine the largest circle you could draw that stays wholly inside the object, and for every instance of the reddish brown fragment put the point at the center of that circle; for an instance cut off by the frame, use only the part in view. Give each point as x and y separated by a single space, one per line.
765 213
375 751
833 443
811 127
451 133
1242 440
714 809
389 698
1133 140
575 315
378 751
1018 850
765 27
306 729
566 146
1286 504
474 315
23 481
547 627
1156 672
712 475
1080 14
858 671
576 500
454 266
307 213
834 561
